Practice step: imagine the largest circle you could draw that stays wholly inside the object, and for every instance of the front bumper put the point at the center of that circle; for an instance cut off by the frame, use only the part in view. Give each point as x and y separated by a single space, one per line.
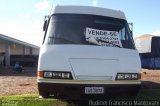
76 90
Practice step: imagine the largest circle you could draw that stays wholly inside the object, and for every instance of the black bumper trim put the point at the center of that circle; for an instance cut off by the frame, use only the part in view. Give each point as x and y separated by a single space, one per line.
74 91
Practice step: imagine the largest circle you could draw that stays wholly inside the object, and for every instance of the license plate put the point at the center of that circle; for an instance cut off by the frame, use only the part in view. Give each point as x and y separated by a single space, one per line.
94 90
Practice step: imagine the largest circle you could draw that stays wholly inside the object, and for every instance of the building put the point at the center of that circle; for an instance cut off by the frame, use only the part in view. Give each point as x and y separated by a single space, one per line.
149 50
13 50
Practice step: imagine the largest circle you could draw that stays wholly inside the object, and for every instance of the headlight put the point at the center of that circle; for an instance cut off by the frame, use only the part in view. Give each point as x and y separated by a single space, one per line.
57 75
120 76
47 74
135 76
127 76
65 75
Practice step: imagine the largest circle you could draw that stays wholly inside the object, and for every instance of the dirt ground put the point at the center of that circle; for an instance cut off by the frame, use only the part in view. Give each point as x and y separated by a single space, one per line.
25 82
18 83
151 75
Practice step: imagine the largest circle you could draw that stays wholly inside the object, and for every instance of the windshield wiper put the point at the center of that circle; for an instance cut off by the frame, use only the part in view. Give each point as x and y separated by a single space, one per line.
96 41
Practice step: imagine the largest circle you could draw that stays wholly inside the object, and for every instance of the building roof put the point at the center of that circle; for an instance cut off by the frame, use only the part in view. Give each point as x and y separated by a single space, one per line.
144 43
144 36
10 39
89 10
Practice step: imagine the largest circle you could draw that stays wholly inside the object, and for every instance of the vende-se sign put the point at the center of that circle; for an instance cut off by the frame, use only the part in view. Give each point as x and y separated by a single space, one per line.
111 38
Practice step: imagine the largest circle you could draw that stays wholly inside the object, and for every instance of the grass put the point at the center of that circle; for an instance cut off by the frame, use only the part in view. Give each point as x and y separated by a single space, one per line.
29 100
33 100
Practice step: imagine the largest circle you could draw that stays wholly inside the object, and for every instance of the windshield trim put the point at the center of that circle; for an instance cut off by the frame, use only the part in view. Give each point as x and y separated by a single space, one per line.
121 20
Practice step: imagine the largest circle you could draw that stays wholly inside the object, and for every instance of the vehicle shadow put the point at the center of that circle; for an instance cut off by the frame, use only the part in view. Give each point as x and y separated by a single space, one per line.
150 85
149 91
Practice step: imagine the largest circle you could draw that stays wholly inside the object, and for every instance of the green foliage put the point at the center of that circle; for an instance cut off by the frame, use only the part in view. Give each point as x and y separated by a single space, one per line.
33 100
29 100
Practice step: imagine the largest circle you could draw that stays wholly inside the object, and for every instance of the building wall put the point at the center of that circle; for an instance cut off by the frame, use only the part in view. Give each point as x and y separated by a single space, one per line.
16 49
17 52
27 51
35 51
2 47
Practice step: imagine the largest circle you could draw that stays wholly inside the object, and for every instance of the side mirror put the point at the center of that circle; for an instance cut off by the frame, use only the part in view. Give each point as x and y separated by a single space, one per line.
46 19
45 25
131 32
131 27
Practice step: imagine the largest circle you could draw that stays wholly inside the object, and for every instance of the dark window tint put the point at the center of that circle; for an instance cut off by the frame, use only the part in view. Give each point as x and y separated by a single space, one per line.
70 29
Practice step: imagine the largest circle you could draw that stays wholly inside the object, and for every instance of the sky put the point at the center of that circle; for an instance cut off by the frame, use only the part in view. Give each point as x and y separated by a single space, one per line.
23 19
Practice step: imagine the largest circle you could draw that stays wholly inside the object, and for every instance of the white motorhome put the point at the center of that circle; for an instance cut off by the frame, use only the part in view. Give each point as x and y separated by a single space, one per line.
87 51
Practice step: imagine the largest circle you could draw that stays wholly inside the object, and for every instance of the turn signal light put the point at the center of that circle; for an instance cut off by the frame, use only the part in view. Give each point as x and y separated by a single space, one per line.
40 74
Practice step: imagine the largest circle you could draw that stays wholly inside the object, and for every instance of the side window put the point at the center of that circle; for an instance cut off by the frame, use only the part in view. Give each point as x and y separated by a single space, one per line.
122 33
50 32
126 39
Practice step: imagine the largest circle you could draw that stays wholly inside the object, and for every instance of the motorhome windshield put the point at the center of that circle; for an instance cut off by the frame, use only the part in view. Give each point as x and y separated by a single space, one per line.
89 30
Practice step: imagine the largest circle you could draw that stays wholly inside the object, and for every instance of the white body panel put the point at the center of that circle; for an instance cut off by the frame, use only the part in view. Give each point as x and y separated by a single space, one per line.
100 61
92 61
88 62
85 69
89 10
